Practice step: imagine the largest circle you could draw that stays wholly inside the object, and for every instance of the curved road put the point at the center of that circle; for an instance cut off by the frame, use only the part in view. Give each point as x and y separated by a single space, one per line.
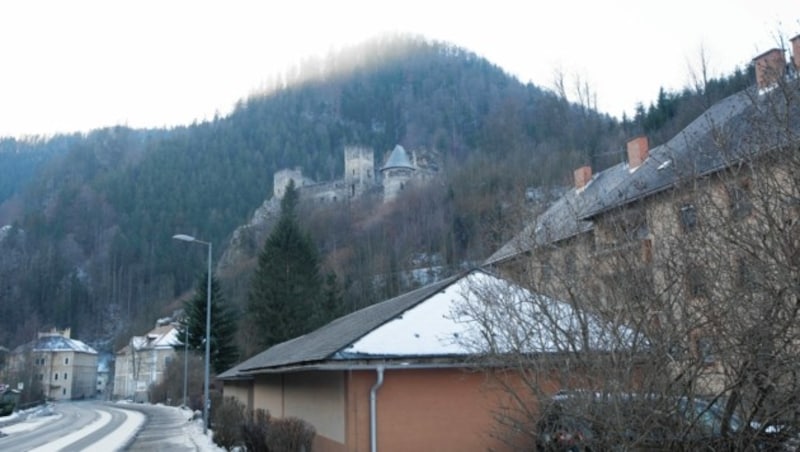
103 426
73 426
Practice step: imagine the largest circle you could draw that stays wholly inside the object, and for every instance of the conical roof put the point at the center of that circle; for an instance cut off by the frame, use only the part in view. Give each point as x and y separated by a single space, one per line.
398 159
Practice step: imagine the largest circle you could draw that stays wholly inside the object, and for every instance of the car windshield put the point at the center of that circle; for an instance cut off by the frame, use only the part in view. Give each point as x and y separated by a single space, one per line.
710 415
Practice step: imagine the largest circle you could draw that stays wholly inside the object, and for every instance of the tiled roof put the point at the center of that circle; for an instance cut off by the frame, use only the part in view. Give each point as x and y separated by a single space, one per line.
731 130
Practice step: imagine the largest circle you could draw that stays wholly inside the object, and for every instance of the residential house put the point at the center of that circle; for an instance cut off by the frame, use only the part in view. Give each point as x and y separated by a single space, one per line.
404 374
65 367
670 235
143 361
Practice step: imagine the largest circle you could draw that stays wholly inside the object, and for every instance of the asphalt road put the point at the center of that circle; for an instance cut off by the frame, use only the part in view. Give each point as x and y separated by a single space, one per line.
164 429
71 426
102 426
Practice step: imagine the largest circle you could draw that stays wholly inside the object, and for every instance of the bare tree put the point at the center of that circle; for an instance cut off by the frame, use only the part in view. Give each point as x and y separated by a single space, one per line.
663 298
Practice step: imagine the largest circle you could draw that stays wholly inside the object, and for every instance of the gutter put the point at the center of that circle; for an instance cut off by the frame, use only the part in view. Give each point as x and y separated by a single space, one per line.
373 411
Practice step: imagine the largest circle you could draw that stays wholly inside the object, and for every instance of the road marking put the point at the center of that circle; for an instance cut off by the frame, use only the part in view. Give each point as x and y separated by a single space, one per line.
65 441
120 436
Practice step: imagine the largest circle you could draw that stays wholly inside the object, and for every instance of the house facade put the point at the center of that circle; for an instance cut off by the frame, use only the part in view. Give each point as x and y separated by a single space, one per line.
65 368
693 239
143 361
404 374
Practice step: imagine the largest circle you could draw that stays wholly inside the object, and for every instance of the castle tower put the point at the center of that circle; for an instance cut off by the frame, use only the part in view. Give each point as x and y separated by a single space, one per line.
359 170
396 173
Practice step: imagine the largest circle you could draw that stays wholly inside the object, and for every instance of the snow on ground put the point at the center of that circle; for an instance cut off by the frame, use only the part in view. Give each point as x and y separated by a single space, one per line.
30 424
191 436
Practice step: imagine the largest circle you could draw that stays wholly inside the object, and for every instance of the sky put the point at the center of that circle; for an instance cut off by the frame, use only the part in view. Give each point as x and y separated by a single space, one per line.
78 65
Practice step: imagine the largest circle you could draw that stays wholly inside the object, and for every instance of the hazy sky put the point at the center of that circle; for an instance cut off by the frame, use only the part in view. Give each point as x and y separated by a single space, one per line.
76 65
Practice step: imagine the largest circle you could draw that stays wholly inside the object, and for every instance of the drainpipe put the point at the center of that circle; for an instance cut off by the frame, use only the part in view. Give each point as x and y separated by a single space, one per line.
373 411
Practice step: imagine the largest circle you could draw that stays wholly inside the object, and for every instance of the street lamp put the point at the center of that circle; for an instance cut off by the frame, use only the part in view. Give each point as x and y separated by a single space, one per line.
185 360
189 238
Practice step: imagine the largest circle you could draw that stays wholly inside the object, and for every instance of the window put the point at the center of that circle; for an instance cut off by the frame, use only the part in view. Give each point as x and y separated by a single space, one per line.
65 375
55 376
696 281
740 203
746 277
66 360
64 391
705 350
688 216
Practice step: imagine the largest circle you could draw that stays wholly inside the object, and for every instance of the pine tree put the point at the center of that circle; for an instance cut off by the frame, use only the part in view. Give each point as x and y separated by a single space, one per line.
223 352
287 285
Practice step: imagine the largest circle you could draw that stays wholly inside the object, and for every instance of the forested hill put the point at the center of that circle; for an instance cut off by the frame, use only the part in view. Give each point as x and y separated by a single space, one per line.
94 214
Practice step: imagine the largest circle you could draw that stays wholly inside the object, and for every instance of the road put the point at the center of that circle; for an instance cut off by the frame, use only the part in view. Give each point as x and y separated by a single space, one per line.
101 426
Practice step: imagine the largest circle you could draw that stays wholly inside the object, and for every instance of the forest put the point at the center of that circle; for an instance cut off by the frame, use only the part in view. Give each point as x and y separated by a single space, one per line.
90 217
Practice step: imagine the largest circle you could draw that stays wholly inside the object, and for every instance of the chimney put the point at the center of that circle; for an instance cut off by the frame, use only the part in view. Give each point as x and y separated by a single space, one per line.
582 176
638 149
796 52
770 67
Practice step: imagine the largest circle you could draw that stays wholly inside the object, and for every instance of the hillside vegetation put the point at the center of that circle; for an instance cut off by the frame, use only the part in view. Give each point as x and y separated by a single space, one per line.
94 214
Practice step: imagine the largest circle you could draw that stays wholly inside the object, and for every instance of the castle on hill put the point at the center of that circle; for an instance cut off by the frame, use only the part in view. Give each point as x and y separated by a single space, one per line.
360 177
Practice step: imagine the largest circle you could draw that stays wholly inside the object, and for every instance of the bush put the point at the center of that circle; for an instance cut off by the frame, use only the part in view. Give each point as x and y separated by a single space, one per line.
290 435
254 431
228 421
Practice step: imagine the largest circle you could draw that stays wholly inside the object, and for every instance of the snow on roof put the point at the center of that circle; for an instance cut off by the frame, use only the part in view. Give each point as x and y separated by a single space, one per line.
483 313
164 336
59 343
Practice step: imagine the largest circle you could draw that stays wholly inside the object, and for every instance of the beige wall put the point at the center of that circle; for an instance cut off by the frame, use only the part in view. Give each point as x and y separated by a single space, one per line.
136 370
316 397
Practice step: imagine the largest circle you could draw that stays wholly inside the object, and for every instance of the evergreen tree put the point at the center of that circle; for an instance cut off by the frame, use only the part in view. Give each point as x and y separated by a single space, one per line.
223 351
287 285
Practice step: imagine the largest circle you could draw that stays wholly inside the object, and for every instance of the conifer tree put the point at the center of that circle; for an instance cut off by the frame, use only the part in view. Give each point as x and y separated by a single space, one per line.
224 352
287 285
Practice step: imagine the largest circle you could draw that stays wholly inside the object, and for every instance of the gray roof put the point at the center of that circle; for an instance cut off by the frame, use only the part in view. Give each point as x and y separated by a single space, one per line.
398 159
324 343
56 343
732 130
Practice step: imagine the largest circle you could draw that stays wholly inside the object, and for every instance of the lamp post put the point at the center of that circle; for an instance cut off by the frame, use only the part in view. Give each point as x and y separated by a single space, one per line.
189 238
185 361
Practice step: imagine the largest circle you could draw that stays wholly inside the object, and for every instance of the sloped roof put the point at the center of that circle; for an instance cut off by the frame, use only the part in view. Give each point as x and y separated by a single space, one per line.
443 320
336 335
736 128
398 159
160 337
51 343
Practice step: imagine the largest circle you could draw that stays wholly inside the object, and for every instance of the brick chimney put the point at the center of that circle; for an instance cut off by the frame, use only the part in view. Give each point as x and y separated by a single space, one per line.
796 52
582 176
770 67
638 149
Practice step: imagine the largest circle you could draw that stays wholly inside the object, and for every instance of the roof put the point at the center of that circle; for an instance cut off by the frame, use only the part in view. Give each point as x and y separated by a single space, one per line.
56 343
398 159
441 320
729 132
160 337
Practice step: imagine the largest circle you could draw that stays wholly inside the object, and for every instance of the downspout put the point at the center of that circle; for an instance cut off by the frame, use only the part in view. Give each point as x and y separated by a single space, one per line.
373 411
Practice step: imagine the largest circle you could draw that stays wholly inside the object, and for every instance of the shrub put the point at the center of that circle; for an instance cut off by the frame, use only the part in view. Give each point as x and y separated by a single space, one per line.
254 431
228 419
290 435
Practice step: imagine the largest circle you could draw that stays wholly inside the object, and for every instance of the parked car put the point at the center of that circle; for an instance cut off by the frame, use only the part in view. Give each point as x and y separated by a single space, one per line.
8 399
599 422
